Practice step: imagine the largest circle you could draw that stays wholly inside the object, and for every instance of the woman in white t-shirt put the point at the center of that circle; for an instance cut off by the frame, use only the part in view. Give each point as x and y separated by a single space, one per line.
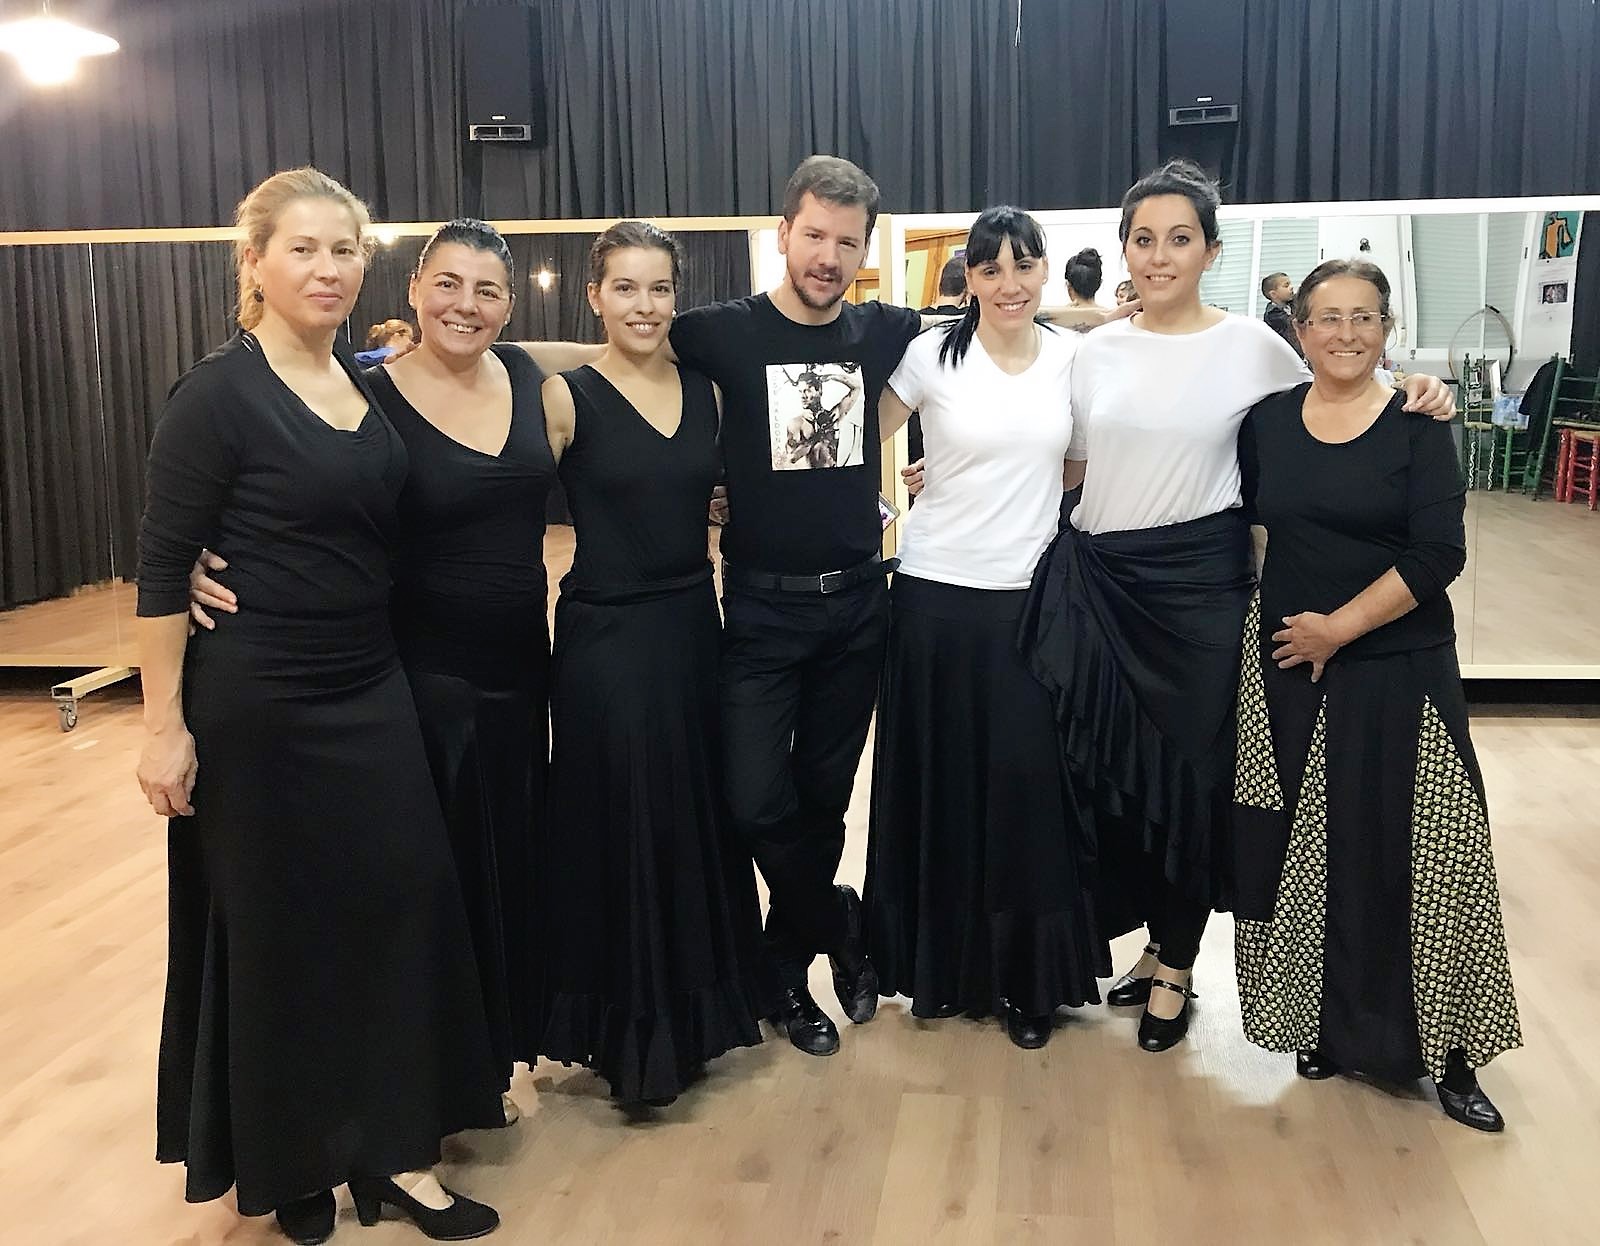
974 898
1137 610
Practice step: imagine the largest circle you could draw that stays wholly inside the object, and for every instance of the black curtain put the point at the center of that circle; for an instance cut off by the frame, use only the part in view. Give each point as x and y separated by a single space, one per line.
54 519
159 309
694 107
206 99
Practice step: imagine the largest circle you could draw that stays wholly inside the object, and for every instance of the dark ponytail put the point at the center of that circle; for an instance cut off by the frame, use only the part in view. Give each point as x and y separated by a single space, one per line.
993 228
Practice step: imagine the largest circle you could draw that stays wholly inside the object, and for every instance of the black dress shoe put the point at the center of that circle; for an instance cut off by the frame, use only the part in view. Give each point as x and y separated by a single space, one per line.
463 1219
1029 1033
855 981
1314 1066
1463 1099
808 1027
1160 1033
308 1220
1129 991
944 1011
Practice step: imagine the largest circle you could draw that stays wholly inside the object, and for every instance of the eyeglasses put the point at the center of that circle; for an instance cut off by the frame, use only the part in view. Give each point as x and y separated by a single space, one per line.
1361 321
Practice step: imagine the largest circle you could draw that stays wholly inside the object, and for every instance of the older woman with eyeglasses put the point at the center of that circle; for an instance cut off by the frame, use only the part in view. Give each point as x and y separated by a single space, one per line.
1368 931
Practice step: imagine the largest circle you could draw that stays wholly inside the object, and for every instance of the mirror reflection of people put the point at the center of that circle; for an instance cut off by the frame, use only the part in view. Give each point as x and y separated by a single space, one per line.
1278 290
1136 610
655 959
1126 293
1368 926
385 340
952 289
1084 274
974 896
322 997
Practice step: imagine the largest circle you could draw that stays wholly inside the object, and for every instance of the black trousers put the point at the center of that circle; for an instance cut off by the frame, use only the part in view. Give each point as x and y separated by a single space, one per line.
798 680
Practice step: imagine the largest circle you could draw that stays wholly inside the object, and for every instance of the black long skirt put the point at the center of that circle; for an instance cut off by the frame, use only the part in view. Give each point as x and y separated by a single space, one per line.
322 1015
655 958
974 895
1136 636
1368 923
479 673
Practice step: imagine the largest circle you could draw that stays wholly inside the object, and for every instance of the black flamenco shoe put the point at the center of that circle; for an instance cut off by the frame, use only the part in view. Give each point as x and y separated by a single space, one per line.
463 1219
1314 1066
1029 1033
855 981
1463 1099
308 1221
1161 1033
1129 991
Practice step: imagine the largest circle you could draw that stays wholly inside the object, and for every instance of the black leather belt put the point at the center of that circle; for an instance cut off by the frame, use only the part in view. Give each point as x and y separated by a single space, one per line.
827 582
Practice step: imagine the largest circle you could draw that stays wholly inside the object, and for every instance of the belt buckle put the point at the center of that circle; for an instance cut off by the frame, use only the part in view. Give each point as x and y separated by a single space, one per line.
830 581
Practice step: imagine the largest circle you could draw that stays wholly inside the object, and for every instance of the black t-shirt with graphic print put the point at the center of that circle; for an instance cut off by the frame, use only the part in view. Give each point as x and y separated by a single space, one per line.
799 426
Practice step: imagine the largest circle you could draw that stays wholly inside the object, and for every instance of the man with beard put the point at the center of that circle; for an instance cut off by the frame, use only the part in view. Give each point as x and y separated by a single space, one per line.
804 593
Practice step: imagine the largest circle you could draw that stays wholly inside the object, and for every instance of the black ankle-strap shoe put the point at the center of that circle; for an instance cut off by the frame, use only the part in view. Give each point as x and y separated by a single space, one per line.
1161 1033
1129 991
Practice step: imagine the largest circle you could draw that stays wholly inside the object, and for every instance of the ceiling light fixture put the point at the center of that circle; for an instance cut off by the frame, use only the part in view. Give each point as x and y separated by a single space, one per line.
48 49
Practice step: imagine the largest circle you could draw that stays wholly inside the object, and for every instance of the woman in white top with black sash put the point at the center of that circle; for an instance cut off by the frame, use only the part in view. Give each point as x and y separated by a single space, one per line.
973 888
1137 610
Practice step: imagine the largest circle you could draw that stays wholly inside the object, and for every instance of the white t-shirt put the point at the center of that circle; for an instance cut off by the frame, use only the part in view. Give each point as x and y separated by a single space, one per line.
994 445
1157 417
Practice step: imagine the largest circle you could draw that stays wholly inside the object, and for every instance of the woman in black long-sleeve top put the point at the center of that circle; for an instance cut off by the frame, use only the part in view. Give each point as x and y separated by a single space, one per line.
323 1018
1369 935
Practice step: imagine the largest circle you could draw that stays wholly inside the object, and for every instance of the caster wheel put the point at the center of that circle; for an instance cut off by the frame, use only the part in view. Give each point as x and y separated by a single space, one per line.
69 715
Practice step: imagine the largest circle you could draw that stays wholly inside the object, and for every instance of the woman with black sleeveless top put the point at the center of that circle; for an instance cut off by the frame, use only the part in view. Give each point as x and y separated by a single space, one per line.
654 934
470 599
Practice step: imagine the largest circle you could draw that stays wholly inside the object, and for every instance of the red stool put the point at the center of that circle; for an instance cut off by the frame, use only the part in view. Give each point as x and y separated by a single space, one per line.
1578 466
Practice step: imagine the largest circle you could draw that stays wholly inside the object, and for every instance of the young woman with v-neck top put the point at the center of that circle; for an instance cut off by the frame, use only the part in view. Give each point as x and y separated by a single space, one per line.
654 937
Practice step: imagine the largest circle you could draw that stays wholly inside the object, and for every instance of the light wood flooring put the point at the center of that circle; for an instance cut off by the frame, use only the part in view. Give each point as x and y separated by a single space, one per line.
917 1132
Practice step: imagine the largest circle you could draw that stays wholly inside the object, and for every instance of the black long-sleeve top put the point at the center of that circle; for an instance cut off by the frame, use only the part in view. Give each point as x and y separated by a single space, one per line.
304 512
1339 516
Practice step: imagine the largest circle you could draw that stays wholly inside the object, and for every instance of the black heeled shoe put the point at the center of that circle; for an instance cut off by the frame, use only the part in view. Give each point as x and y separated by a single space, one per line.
1314 1066
308 1221
855 981
463 1219
1129 991
1463 1099
1160 1033
1029 1033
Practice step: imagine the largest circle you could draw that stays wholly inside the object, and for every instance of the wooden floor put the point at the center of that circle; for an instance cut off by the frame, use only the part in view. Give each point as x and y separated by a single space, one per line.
917 1132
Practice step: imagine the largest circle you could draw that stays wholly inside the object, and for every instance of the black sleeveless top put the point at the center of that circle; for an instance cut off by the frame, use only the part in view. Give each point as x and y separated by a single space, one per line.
470 581
638 497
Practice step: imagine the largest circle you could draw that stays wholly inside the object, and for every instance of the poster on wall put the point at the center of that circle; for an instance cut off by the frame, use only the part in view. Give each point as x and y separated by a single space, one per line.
1558 236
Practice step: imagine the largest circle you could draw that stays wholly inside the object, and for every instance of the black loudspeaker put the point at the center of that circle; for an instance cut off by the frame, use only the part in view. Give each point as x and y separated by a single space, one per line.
501 67
1205 61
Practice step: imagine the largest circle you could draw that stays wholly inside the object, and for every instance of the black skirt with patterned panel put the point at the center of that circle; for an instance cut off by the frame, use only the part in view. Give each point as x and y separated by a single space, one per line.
1361 835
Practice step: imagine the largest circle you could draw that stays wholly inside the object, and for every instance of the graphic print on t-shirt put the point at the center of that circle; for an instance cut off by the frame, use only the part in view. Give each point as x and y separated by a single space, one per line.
815 415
